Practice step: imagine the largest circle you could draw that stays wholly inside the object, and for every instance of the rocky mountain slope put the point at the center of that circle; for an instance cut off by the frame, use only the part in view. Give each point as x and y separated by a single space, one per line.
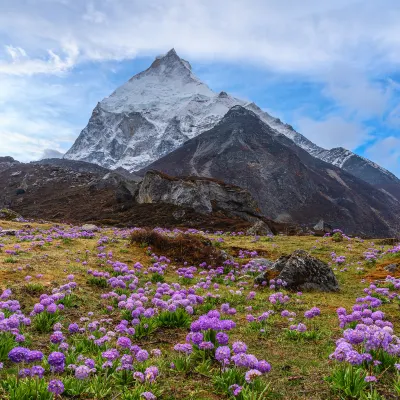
288 183
78 192
157 110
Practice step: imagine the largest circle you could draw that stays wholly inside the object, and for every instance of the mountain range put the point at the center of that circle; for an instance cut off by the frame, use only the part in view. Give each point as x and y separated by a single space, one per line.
166 119
159 109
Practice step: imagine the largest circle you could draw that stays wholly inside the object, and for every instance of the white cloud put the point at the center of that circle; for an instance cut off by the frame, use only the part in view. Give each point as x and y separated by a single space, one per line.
286 36
353 91
386 152
51 153
93 15
15 52
333 131
21 64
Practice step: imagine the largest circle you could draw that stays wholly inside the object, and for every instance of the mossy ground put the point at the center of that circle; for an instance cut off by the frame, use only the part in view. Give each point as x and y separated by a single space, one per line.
299 368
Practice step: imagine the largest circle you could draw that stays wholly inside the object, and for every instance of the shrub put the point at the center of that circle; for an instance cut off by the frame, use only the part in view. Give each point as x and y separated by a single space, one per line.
174 319
349 380
44 321
34 288
99 282
193 249
155 278
7 342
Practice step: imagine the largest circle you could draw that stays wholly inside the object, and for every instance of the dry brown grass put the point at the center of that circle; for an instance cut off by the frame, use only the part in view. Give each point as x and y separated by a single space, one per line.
194 249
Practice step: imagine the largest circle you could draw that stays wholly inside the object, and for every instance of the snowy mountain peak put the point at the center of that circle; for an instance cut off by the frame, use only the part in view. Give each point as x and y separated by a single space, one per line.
168 64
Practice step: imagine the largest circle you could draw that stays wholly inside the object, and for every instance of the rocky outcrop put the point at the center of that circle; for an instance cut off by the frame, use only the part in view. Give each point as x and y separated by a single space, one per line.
7 162
301 271
202 195
260 228
9 215
322 227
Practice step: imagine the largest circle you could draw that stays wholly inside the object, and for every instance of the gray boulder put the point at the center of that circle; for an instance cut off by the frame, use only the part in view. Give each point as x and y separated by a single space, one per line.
89 227
322 227
260 228
301 271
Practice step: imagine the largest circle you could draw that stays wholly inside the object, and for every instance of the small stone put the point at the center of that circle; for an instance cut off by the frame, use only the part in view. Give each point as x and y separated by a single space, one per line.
392 267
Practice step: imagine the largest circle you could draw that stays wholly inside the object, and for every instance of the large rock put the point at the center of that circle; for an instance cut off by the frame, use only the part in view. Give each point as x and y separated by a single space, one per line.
202 195
260 228
322 227
301 271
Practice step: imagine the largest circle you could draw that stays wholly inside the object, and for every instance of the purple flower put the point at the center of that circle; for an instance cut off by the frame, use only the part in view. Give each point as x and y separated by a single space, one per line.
18 354
56 359
148 396
111 354
184 348
138 376
206 346
82 372
24 372
239 347
57 337
55 386
263 366
142 355
370 378
222 353
124 342
251 375
222 338
151 373
235 389
73 328
37 370
33 356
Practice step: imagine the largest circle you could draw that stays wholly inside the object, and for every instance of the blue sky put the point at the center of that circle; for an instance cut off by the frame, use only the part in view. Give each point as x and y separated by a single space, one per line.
330 69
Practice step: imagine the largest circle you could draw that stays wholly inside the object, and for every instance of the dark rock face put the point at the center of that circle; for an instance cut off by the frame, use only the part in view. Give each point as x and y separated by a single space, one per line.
301 271
288 183
203 195
80 192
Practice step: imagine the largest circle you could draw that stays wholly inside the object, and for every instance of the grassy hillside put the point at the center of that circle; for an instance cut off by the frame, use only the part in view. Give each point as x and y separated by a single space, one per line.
103 278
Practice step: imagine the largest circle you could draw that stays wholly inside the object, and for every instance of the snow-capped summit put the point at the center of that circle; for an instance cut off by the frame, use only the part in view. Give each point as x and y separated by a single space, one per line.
159 109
